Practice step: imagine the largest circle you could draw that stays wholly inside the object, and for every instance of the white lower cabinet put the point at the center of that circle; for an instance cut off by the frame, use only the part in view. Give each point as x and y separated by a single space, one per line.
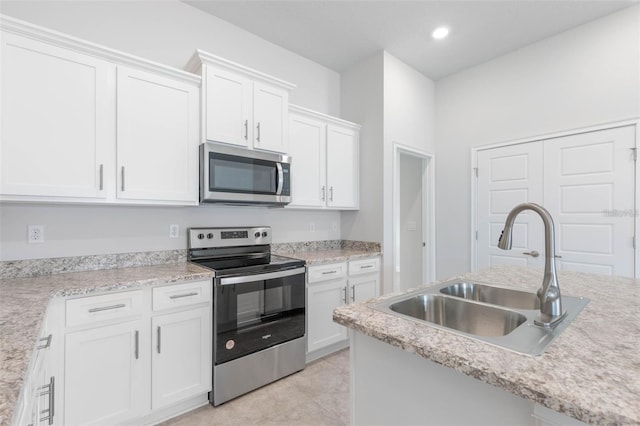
126 363
330 286
106 374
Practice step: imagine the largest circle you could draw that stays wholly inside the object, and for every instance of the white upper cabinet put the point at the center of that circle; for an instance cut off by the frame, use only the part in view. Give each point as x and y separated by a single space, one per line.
325 159
83 123
57 120
156 138
241 106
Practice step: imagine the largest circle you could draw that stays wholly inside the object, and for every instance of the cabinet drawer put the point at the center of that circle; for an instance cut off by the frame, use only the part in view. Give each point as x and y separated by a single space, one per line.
172 296
89 310
327 272
364 266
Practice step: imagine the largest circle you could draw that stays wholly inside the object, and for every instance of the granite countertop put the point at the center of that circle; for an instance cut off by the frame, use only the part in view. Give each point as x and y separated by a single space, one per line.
590 372
318 257
24 303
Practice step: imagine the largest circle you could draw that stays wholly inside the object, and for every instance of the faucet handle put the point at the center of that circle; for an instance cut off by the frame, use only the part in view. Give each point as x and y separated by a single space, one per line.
532 253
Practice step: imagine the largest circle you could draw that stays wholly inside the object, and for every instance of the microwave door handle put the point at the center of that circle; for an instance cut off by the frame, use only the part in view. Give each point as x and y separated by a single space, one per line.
280 179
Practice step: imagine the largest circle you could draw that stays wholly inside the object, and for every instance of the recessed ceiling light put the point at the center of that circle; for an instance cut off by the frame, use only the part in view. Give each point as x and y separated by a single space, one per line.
440 33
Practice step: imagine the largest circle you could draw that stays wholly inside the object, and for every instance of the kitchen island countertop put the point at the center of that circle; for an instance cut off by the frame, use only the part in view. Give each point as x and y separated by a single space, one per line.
24 301
590 372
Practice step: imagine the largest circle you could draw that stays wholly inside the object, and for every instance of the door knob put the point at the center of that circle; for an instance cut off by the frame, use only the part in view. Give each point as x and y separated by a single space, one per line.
532 253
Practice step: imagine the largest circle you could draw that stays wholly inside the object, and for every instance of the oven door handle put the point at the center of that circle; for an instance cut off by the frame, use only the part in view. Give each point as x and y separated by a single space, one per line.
261 277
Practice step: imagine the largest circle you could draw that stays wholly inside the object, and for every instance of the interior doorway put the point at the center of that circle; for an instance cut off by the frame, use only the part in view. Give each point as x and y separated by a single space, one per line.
413 218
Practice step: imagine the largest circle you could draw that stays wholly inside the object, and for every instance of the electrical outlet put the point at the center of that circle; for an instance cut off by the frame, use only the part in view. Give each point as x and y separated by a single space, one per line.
334 226
174 231
35 234
312 227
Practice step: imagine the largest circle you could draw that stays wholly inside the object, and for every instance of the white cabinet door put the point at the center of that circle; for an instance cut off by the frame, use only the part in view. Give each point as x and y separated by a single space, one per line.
509 176
323 298
270 118
307 148
157 145
364 287
181 362
228 99
57 121
106 373
342 167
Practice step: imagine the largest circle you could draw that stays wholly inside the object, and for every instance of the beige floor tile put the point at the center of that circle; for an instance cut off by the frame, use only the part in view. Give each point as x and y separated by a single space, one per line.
316 396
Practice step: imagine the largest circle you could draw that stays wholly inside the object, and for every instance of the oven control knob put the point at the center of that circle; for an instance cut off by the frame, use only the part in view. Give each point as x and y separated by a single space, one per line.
200 236
264 234
209 235
257 235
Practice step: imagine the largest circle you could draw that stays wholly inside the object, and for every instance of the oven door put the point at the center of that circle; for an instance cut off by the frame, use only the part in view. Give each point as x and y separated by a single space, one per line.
256 312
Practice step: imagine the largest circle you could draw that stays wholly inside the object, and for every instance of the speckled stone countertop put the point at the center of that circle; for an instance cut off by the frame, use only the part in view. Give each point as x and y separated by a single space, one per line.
590 372
322 252
24 301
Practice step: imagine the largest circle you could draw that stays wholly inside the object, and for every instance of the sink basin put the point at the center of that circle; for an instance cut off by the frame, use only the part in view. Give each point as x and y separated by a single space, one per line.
510 298
472 318
493 314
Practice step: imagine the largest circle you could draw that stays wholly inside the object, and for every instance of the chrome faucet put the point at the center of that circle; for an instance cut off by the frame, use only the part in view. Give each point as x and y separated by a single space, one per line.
549 294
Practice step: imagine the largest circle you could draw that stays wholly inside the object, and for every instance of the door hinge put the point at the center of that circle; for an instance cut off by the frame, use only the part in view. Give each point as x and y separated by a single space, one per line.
634 154
475 170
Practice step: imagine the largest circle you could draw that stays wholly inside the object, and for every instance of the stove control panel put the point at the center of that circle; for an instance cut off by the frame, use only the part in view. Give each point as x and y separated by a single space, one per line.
228 237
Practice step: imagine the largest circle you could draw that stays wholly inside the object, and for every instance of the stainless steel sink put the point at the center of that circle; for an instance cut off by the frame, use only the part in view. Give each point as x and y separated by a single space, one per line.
494 314
502 296
480 320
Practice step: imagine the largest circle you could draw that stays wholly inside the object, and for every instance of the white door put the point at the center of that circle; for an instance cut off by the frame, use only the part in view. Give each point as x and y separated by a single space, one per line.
342 169
180 367
323 298
57 120
363 288
157 147
412 251
228 107
106 374
589 190
307 148
508 176
270 118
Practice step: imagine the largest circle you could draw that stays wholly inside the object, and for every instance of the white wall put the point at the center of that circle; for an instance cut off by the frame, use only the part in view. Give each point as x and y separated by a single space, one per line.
395 104
585 76
167 32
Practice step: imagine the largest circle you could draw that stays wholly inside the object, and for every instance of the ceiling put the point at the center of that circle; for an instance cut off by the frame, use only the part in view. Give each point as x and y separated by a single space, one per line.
340 33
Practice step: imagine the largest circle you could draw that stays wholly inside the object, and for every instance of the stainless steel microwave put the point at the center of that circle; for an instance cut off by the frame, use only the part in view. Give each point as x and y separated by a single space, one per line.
233 175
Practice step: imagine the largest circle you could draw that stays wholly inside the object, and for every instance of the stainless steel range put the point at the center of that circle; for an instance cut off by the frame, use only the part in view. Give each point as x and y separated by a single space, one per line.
259 308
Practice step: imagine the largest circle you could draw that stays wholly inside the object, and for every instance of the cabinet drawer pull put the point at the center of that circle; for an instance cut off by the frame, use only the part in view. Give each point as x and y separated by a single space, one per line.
324 193
122 176
159 337
331 193
329 272
178 296
45 345
258 137
107 308
353 294
366 266
101 177
345 295
246 129
137 347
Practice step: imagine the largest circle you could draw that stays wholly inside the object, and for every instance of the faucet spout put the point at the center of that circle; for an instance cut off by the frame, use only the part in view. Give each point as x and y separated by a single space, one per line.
551 312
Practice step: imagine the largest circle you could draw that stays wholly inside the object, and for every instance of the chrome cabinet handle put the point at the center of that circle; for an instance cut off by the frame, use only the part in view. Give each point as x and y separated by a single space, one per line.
137 347
159 337
178 296
366 266
329 272
50 390
246 130
258 137
122 176
107 308
101 177
345 295
532 253
47 344
331 193
353 294
324 192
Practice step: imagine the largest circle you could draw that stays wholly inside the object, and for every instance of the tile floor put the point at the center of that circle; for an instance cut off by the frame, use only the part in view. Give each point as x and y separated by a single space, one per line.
318 395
